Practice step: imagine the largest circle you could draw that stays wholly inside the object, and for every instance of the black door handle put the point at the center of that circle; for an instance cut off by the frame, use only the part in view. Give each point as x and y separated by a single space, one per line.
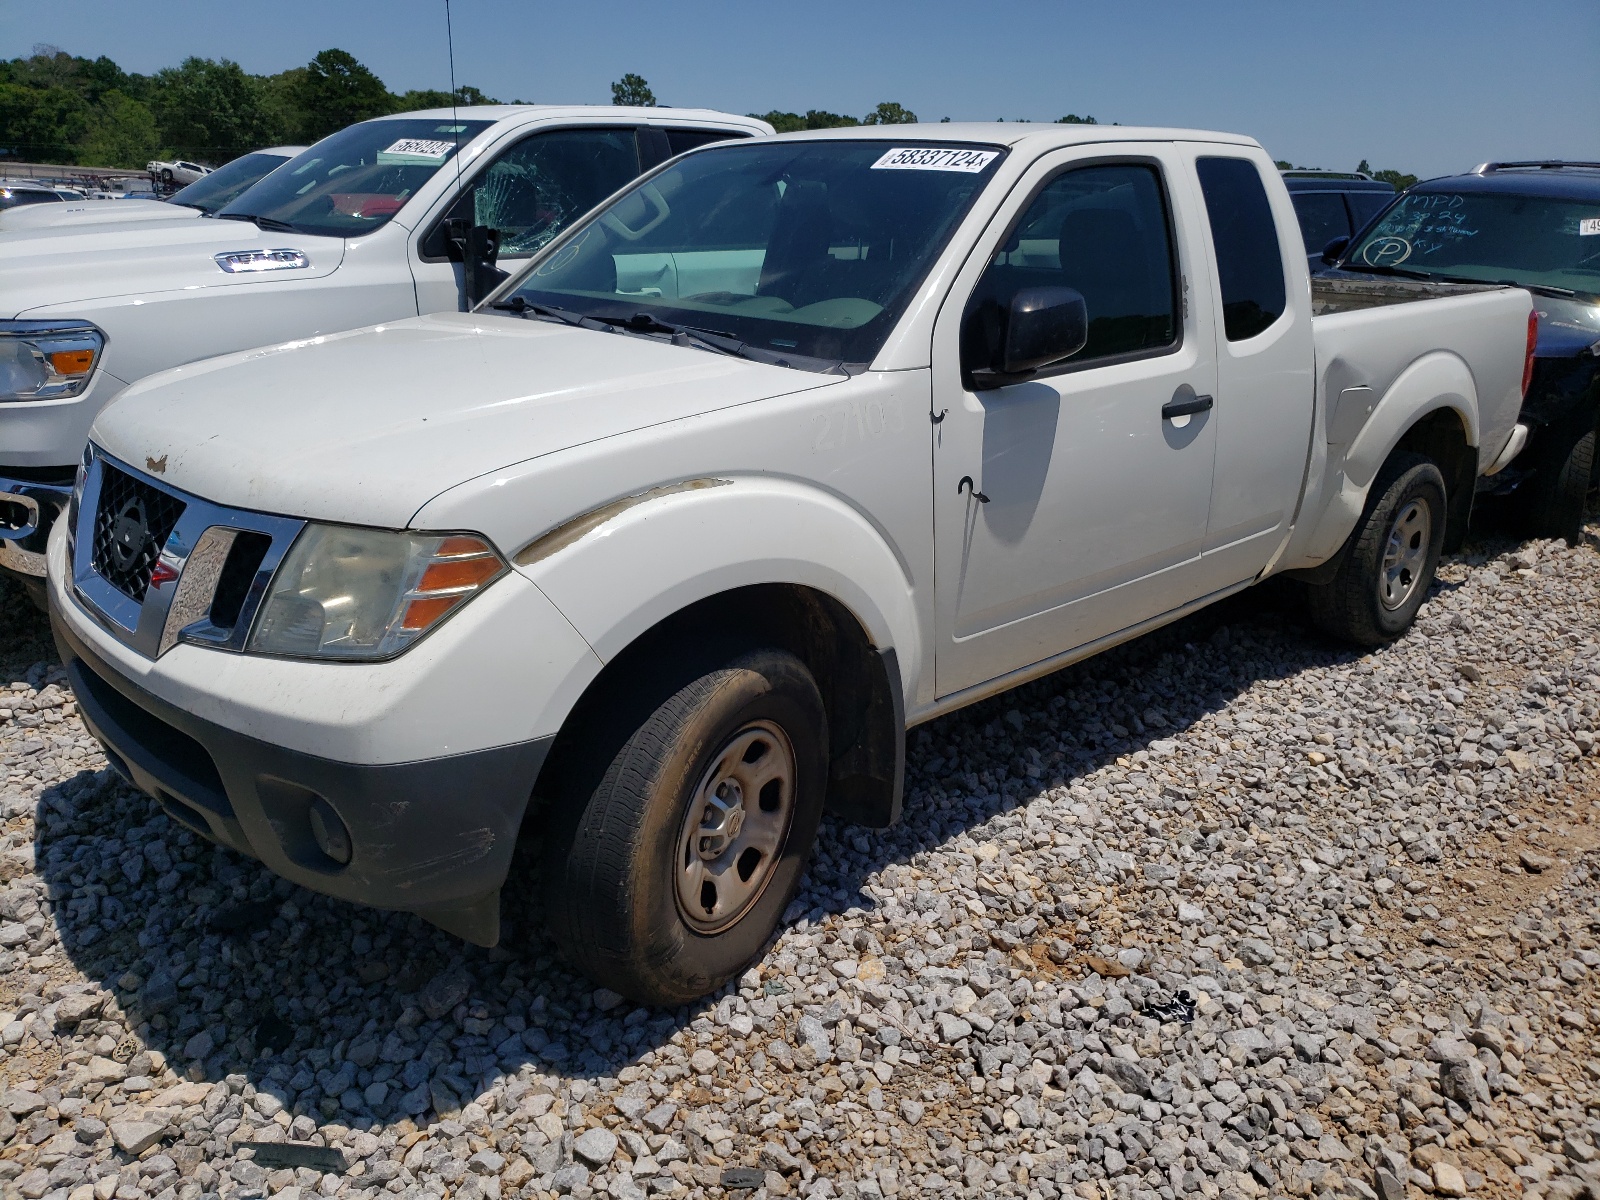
1186 407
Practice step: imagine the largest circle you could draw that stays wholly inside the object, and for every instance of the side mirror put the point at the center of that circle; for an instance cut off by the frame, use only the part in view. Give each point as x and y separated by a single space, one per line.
1043 325
1335 248
477 247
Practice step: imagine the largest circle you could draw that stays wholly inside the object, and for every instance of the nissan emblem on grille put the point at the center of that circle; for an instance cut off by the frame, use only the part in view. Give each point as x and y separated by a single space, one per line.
132 523
129 534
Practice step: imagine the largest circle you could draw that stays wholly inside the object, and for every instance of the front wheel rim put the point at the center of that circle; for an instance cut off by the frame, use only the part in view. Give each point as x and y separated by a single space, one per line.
735 826
1405 554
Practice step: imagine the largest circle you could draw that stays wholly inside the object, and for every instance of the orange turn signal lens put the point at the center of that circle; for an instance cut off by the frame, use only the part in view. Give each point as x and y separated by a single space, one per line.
448 573
71 362
423 612
459 567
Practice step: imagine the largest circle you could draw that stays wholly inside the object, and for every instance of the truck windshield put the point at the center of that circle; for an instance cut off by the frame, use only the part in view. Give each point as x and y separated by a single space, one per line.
1534 241
353 181
222 186
803 248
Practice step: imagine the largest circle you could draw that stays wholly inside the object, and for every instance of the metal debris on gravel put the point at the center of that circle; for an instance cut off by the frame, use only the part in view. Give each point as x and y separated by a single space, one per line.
1374 876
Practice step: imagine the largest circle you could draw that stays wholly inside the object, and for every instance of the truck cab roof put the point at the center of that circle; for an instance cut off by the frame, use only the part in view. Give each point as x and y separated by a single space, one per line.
1000 133
587 113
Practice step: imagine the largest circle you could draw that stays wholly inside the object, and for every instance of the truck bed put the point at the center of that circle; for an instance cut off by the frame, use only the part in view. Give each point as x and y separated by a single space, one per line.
1332 294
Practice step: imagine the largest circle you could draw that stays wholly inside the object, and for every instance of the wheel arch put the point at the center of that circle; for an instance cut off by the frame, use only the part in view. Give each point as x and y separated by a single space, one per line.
1431 408
860 686
745 561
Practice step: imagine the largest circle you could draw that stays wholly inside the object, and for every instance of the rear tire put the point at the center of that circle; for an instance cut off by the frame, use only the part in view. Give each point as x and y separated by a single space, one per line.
1556 507
1385 577
681 840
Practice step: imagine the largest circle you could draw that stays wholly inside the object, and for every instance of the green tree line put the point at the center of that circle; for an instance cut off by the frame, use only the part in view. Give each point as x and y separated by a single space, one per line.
59 108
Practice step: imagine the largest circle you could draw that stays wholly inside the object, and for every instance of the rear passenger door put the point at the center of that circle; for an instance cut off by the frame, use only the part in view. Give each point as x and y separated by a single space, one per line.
1265 361
1071 506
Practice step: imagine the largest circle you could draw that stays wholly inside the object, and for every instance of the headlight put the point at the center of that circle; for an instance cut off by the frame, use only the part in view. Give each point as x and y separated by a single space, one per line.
46 360
348 593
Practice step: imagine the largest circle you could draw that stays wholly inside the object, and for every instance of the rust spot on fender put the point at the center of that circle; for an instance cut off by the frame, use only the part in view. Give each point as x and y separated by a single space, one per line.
565 534
157 466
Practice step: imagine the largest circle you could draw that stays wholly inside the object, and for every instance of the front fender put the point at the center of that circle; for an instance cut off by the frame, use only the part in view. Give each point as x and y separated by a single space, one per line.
632 569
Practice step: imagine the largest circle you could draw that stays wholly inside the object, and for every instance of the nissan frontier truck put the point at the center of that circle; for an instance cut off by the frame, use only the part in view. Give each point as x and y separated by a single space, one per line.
793 444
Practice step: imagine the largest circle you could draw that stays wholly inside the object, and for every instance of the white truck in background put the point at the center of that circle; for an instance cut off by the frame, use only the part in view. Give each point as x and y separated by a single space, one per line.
788 447
386 219
206 195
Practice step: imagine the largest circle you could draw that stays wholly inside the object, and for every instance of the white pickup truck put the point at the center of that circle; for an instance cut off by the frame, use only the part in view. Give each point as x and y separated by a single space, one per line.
794 444
386 219
206 195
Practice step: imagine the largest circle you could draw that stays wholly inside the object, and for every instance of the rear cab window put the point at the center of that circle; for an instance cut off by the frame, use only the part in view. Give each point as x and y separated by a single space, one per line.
1245 238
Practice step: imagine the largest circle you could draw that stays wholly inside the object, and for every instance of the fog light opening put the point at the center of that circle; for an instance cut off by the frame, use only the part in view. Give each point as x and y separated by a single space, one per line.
332 838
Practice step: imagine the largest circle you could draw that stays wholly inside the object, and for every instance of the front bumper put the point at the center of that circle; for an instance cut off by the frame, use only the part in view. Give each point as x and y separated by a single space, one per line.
433 837
28 509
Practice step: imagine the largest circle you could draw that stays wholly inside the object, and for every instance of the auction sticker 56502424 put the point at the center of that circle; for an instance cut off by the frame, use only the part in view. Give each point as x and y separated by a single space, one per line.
935 158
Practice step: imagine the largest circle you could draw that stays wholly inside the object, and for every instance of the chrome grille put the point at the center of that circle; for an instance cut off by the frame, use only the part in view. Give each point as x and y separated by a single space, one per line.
156 566
131 524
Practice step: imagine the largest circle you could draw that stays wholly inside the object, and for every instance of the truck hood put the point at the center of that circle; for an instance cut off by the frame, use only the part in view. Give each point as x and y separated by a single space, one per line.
366 427
79 213
67 264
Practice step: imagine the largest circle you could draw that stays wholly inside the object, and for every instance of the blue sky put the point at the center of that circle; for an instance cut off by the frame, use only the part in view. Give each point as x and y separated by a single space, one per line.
1424 87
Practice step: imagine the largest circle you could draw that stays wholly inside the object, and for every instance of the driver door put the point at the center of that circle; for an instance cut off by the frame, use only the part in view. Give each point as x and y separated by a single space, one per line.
1071 506
530 191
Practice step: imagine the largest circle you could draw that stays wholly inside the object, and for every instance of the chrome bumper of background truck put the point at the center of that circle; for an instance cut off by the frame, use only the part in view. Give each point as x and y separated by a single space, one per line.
27 511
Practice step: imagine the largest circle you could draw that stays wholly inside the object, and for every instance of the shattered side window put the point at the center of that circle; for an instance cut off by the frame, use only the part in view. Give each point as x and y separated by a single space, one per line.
541 184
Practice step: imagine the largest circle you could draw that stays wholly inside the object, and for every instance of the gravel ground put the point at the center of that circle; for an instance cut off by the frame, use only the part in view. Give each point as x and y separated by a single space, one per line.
1374 875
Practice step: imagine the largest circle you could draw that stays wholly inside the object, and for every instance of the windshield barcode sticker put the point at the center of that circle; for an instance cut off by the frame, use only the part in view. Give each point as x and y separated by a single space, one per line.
419 148
935 158
1589 227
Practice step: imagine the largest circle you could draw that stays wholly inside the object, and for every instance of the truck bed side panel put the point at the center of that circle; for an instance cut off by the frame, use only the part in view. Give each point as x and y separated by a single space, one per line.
1380 370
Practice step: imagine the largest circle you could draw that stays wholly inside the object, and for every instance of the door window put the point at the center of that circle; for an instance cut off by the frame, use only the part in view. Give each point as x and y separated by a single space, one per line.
1249 259
1366 205
689 139
1104 231
536 188
1322 218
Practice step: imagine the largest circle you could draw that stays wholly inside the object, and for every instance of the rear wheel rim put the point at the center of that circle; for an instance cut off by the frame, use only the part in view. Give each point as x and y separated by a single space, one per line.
1405 554
735 826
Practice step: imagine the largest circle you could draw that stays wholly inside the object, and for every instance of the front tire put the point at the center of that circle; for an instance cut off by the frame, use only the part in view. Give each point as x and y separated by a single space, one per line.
682 846
1375 595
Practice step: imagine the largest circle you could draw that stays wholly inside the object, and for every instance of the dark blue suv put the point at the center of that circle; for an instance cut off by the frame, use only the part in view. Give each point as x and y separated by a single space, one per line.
1333 204
1535 225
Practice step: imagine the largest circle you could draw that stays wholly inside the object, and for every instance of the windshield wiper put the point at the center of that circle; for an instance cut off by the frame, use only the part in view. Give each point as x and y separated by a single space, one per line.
1385 269
270 224
522 308
723 343
683 335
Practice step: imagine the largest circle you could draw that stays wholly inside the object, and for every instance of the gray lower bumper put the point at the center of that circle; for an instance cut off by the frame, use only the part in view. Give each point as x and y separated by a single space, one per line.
28 509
